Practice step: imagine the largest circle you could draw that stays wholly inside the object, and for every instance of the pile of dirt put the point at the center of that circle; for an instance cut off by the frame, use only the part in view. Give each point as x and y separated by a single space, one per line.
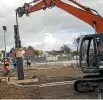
15 92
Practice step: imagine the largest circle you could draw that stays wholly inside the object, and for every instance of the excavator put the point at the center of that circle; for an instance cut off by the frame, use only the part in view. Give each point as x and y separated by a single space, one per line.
91 46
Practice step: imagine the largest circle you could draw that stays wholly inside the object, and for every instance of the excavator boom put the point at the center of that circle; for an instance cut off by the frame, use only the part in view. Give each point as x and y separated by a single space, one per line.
85 14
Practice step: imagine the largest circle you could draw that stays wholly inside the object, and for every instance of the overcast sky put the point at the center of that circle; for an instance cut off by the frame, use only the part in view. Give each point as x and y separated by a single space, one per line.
44 30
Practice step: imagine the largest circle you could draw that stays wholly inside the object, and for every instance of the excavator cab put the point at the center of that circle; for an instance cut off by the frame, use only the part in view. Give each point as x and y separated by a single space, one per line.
91 53
91 63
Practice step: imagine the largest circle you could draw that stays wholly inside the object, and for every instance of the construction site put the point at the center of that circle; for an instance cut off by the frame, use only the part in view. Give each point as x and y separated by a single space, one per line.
51 67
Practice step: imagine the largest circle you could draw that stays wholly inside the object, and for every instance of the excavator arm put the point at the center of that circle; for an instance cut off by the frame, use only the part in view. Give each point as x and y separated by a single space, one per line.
83 13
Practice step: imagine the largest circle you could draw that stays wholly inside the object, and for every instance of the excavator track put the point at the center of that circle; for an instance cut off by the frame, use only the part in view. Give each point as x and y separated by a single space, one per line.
93 76
86 85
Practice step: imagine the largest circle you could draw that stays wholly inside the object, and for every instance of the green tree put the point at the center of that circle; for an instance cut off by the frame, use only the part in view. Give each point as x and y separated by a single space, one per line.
40 52
65 49
36 52
3 52
1 55
74 53
30 48
53 53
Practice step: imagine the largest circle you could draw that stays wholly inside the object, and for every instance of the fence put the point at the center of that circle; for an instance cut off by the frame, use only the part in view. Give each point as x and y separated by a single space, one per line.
53 60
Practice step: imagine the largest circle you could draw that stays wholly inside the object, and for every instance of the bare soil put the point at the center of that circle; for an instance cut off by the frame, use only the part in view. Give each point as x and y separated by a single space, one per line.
54 92
68 71
50 92
15 92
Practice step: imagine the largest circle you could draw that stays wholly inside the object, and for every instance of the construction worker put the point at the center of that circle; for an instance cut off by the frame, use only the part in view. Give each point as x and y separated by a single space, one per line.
28 63
7 69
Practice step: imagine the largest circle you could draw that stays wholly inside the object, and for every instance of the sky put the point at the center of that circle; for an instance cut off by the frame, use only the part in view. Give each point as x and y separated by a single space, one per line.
46 30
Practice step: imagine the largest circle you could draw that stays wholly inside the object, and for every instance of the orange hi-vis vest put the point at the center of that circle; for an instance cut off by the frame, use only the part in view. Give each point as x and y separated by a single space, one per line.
7 66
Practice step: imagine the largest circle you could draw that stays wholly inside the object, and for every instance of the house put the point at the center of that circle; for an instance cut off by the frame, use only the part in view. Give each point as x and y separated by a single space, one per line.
49 57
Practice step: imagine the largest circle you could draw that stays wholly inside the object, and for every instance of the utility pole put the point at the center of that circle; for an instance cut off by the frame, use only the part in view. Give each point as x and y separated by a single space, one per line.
4 28
19 55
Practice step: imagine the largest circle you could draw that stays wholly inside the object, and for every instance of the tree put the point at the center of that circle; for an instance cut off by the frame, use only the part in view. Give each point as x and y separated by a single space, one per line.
12 49
3 52
53 53
77 40
30 48
40 52
59 52
74 53
66 49
1 55
24 48
36 52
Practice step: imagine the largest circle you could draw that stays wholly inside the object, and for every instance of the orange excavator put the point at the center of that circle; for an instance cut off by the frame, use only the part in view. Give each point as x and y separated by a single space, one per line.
91 46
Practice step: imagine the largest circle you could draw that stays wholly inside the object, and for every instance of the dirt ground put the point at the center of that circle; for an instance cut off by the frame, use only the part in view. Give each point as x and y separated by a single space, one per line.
51 72
55 92
49 92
